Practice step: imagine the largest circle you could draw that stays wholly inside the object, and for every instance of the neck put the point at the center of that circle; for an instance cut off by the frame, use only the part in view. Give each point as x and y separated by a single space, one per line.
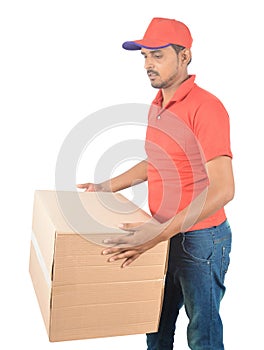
168 92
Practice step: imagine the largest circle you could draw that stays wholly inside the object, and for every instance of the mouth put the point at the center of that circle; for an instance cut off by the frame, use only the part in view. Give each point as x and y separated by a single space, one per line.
152 74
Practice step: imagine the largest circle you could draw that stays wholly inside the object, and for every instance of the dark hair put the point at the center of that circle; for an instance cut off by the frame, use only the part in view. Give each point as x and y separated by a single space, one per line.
179 48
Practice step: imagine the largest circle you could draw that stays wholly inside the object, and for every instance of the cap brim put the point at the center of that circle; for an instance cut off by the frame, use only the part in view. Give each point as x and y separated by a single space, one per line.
138 44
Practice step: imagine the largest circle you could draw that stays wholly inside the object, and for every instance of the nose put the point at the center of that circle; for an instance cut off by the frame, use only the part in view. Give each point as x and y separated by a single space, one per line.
149 64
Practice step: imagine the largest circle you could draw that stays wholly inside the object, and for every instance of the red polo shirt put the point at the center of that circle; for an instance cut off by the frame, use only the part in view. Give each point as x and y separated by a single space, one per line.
191 130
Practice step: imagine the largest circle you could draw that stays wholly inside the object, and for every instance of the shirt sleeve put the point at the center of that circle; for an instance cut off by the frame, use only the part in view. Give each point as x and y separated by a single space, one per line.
212 129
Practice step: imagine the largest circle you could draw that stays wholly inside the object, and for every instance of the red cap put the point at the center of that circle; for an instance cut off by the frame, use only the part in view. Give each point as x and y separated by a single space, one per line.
160 33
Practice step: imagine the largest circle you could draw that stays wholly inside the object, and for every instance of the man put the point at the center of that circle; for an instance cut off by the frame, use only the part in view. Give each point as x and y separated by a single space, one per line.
189 173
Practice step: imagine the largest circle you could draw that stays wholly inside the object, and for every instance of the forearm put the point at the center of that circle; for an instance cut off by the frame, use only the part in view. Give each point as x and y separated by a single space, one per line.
131 177
219 192
205 205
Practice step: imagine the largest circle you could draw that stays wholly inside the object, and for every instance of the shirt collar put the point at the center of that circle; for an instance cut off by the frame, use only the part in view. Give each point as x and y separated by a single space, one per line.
180 93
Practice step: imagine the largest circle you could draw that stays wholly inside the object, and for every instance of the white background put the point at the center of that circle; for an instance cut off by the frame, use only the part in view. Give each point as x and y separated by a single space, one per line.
62 60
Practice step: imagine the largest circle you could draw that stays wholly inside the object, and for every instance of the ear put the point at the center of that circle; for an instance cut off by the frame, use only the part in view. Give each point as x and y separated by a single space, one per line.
185 56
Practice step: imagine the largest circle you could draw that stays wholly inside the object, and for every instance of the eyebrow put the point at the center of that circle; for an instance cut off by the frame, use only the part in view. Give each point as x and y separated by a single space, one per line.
151 51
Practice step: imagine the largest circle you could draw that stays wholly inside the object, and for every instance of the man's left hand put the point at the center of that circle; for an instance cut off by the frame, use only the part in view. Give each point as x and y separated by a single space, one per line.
141 237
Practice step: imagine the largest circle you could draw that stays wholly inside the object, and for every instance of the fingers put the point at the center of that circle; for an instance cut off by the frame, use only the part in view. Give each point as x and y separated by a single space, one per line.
88 187
117 241
128 240
131 226
123 255
129 260
82 185
128 255
112 250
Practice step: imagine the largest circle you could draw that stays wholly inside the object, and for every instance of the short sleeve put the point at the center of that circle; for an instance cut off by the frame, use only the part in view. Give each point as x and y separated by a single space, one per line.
212 129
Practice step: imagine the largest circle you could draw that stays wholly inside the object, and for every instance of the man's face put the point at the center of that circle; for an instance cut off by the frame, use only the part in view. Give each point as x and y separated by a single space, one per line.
162 66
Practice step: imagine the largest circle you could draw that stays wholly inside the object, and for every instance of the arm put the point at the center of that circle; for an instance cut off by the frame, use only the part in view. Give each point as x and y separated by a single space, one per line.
219 193
131 177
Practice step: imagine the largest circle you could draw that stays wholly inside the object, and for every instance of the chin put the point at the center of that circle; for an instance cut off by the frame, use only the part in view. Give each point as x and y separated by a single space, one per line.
156 86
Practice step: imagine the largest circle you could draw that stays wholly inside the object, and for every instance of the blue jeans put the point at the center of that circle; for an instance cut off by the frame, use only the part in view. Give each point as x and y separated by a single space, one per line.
198 262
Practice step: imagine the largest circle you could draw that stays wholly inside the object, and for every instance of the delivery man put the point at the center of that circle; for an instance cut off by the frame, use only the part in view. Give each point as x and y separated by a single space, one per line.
190 180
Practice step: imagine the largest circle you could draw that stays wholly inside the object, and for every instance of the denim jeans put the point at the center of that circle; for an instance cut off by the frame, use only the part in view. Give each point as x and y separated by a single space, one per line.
198 262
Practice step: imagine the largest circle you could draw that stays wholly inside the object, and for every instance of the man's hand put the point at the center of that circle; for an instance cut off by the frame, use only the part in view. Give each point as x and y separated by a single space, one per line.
91 187
87 187
141 237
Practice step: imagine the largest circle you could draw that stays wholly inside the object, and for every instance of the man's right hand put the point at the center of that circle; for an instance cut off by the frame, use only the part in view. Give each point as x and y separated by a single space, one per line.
91 187
131 177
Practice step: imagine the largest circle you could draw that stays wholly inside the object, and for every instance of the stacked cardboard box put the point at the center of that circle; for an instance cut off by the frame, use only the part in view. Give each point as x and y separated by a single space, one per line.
80 294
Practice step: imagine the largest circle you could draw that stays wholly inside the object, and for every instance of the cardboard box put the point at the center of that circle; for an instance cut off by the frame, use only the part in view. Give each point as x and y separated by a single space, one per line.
80 294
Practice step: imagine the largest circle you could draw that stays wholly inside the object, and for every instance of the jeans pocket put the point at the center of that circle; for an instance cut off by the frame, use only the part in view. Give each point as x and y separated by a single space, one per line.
198 247
226 249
